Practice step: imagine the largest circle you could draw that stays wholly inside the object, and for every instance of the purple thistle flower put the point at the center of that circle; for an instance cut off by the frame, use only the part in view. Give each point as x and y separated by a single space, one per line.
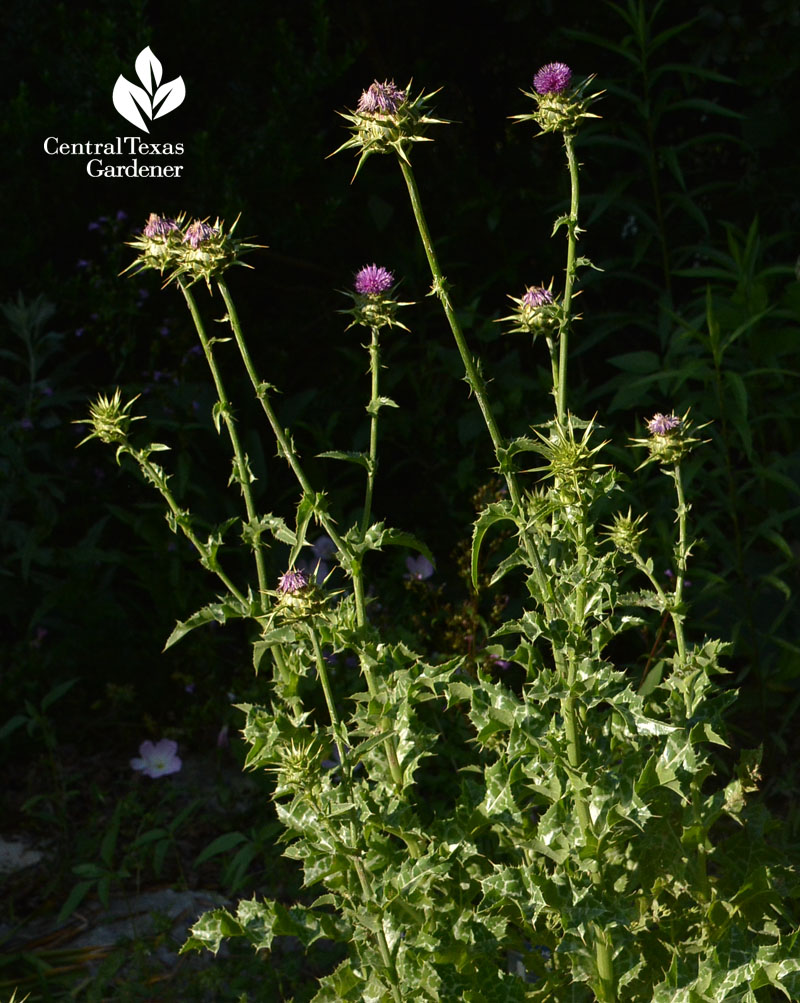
198 233
537 296
552 79
383 98
293 581
158 226
373 280
663 424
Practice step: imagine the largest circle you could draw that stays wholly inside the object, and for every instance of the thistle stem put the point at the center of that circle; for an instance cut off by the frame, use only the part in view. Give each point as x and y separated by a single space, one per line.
605 965
287 451
574 753
242 469
383 944
681 554
667 604
284 443
338 732
474 378
566 309
374 365
158 479
341 747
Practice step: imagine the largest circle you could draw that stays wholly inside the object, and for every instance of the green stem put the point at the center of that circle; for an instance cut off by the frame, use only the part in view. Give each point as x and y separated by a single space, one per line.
566 309
383 944
605 965
241 465
571 723
287 451
374 365
681 555
340 736
474 379
668 604
156 476
284 443
574 753
551 348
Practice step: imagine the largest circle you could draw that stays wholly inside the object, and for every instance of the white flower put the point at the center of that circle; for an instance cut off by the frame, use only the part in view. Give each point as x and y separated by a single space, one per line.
157 760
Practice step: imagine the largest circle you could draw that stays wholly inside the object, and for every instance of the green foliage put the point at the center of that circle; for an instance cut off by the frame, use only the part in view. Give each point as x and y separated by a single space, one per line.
730 356
583 841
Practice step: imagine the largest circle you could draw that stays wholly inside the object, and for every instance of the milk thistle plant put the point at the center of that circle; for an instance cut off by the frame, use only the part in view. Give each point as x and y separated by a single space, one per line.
586 849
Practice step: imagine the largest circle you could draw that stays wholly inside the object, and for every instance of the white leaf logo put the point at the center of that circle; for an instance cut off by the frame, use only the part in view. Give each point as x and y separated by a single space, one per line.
152 100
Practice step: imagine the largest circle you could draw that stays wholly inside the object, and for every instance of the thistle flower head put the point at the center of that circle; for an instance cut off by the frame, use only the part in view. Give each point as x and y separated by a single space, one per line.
536 311
663 424
197 250
373 304
372 280
537 296
560 105
669 440
552 78
387 119
383 98
158 243
293 581
298 597
198 233
159 226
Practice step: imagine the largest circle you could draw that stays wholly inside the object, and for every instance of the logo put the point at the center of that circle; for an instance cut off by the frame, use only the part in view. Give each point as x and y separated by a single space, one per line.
154 99
137 105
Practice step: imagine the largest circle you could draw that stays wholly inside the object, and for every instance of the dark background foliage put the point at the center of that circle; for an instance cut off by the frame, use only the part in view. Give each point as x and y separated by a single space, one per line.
695 152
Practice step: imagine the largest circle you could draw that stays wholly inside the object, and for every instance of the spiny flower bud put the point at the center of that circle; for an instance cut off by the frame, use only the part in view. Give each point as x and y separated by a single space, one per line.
386 118
625 533
537 311
559 105
109 419
570 459
298 767
373 304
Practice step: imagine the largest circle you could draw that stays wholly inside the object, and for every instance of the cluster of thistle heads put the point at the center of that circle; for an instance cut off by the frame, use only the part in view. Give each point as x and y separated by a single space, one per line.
388 119
188 250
